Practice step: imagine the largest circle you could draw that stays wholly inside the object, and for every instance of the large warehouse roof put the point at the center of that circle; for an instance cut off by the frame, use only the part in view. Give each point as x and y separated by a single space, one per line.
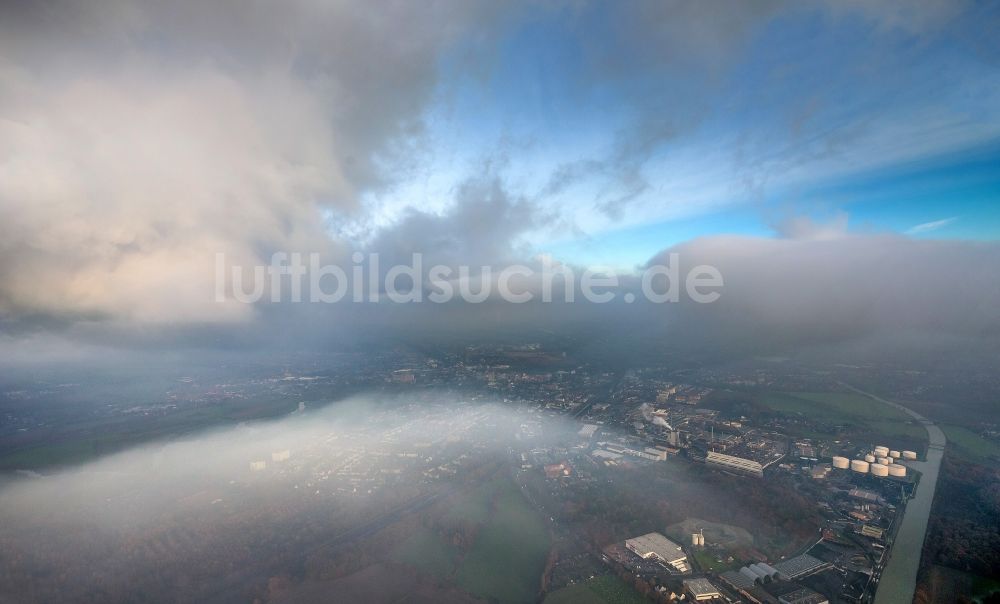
656 544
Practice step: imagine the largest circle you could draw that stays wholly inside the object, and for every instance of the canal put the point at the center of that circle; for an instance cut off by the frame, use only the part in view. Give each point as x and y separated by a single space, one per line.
899 577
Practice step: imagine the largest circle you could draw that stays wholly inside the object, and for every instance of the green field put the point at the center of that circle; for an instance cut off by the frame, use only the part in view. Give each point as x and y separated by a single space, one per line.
428 553
606 589
970 445
508 552
475 506
508 556
845 408
707 561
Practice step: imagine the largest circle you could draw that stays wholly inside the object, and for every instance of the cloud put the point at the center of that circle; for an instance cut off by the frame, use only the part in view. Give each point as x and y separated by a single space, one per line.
789 292
138 140
808 228
121 188
927 227
480 227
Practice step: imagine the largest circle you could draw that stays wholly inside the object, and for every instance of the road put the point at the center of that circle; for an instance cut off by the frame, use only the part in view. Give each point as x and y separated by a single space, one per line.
899 577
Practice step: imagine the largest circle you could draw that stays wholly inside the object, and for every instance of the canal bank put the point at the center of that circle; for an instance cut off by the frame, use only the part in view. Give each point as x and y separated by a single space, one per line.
899 577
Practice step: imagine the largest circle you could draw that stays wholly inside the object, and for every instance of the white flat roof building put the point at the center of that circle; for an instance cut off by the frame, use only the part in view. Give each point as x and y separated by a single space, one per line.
656 546
701 589
735 464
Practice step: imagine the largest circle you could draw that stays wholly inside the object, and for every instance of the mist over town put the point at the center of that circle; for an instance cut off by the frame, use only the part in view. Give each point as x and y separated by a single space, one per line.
566 302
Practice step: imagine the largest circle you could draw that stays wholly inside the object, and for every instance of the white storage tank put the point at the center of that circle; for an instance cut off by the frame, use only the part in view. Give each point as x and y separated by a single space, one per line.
859 465
881 451
841 462
894 454
870 458
879 469
897 470
909 454
884 461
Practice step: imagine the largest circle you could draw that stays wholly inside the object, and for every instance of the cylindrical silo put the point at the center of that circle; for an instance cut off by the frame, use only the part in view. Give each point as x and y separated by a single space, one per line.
897 470
878 469
841 462
859 465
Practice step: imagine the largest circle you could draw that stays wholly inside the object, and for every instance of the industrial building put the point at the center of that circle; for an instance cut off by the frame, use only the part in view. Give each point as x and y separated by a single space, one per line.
701 590
735 464
650 453
737 580
656 546
759 573
820 472
792 593
800 566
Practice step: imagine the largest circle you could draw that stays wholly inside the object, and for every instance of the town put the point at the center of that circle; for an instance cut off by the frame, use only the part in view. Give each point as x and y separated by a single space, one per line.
749 485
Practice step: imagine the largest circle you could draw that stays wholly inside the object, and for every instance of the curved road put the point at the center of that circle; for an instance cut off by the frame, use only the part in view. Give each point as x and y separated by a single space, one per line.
899 577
